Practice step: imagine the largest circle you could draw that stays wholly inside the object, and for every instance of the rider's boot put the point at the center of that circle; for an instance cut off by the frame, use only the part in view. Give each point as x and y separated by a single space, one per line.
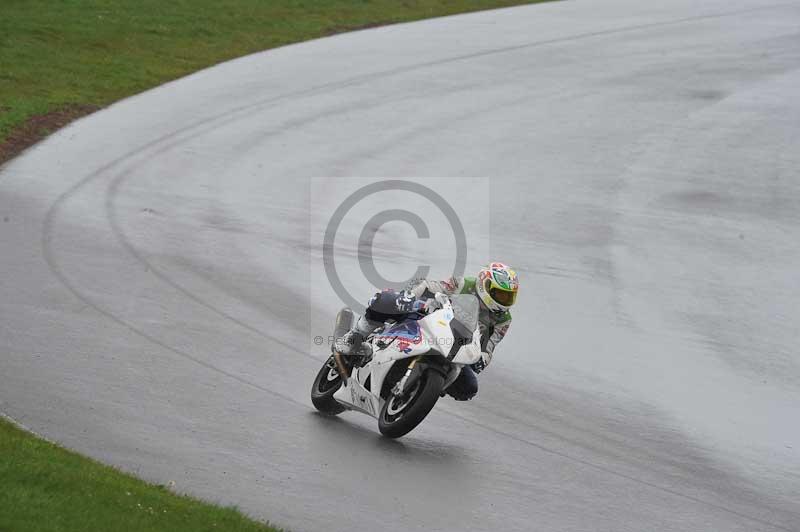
351 345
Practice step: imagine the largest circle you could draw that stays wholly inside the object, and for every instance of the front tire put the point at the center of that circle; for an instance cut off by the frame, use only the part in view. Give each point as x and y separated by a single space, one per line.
327 382
399 416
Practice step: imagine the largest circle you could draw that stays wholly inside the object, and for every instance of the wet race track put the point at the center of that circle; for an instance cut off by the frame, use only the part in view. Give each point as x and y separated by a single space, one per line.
637 162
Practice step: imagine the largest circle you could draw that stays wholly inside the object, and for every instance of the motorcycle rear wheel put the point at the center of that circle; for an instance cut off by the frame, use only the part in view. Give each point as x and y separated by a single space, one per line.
326 383
399 416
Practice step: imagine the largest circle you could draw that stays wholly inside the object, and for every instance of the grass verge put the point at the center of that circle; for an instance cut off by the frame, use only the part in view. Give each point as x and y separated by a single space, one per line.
46 488
70 57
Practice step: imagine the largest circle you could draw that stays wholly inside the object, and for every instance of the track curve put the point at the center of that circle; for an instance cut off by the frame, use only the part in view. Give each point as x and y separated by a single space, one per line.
645 159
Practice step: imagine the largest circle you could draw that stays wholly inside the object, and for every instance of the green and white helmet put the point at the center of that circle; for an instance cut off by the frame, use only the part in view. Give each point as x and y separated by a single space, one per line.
497 286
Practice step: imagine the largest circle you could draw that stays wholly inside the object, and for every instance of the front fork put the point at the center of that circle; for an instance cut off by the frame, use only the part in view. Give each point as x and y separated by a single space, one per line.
344 322
409 379
341 367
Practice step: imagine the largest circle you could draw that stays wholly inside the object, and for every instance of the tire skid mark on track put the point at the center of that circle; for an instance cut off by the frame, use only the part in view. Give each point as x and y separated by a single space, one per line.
111 215
119 321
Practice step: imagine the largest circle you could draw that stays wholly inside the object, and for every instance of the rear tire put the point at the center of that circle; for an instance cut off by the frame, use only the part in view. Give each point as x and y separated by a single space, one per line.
327 382
400 416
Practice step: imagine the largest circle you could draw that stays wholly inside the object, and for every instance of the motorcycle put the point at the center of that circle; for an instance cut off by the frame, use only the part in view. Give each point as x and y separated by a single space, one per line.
408 365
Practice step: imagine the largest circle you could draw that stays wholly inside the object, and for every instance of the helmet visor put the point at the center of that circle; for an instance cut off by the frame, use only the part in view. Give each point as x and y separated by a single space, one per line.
503 297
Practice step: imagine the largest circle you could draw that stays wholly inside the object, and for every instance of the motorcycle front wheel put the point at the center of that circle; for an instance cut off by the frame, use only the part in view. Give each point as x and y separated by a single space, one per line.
326 383
400 415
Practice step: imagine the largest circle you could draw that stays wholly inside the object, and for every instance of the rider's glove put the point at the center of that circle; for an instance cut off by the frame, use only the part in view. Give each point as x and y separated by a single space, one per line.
481 364
431 305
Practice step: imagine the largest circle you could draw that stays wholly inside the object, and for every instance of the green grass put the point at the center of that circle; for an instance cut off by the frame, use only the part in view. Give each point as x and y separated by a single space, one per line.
45 488
58 53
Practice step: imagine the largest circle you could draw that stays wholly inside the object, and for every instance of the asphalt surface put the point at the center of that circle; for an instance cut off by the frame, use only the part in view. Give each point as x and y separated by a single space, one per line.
161 283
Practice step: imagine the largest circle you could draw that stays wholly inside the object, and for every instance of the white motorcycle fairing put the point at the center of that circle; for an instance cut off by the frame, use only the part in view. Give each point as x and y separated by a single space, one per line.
431 335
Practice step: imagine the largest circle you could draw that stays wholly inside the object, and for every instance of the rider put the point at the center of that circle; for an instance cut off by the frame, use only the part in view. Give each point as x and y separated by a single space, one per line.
496 287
